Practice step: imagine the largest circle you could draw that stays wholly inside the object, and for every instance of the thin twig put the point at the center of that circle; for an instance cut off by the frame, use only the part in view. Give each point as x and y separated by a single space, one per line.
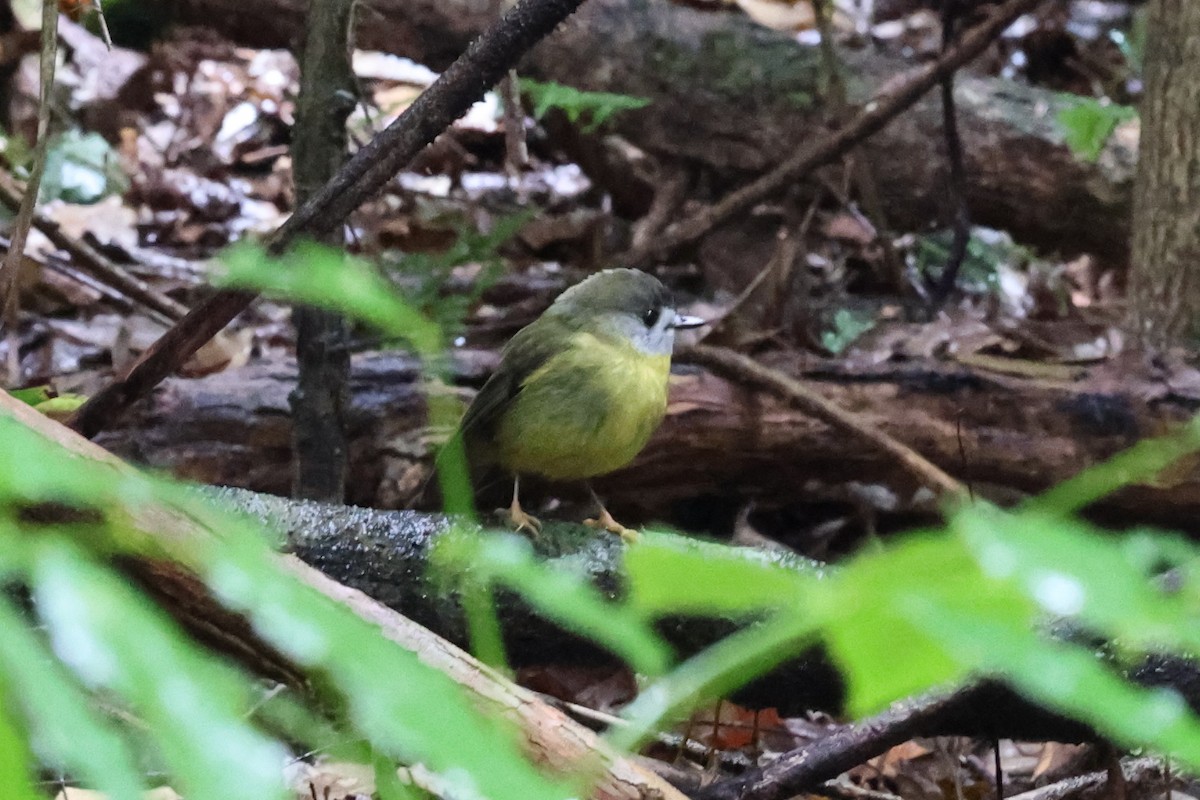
875 115
487 59
779 262
92 261
14 258
600 721
805 767
516 149
736 365
1094 785
104 34
940 289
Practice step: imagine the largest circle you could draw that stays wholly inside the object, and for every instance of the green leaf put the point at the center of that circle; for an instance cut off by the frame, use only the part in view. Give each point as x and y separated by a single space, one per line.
81 168
1073 571
598 107
714 672
56 713
483 624
327 278
1071 680
390 694
848 325
15 759
671 574
1138 464
61 407
33 395
1087 123
884 654
45 473
115 639
567 598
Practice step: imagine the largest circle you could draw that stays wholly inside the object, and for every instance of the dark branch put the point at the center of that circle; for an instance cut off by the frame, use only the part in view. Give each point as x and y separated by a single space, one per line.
873 118
957 189
487 60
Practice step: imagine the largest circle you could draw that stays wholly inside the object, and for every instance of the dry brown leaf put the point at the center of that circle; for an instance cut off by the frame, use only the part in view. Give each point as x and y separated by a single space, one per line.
109 221
1056 757
161 793
890 763
600 688
332 779
780 15
849 228
226 350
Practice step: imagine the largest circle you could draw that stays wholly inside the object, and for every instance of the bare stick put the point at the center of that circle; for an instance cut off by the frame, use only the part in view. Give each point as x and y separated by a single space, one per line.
487 60
92 261
14 259
940 289
736 365
1095 785
873 118
804 768
328 93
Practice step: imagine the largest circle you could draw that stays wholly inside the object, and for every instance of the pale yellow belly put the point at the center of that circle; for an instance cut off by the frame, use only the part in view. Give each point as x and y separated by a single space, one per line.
588 411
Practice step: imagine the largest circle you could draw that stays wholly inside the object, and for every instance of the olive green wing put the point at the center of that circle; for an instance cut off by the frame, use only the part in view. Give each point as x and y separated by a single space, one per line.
524 354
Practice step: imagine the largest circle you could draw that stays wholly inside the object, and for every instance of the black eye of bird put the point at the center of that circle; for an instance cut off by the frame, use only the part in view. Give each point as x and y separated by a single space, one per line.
651 316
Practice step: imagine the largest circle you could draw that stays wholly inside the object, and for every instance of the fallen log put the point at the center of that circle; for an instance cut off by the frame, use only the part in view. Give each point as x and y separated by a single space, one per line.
548 736
730 100
385 553
721 444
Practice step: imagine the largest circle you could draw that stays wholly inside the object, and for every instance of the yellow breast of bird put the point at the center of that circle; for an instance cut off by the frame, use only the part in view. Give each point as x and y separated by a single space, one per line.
587 411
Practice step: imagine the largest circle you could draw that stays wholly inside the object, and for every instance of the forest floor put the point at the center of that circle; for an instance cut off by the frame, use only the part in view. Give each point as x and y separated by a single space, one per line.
165 156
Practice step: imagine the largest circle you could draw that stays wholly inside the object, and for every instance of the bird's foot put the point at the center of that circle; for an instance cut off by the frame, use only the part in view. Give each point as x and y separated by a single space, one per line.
523 521
606 522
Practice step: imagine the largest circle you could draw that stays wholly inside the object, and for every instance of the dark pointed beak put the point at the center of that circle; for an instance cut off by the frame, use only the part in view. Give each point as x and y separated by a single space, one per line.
682 321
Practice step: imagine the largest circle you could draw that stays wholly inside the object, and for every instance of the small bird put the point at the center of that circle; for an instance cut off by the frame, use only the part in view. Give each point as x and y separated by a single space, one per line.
580 389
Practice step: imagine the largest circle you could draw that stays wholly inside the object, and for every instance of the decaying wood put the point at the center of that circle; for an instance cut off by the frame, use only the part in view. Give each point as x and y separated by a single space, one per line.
734 99
1164 299
385 554
550 737
720 441
875 116
744 369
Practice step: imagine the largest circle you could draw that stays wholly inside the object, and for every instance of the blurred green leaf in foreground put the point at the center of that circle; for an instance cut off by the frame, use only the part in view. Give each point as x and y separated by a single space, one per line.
931 609
111 640
85 652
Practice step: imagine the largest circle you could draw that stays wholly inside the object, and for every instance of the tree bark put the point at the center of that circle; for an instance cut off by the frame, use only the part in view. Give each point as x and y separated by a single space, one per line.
385 555
1165 280
731 99
548 736
328 92
386 552
720 444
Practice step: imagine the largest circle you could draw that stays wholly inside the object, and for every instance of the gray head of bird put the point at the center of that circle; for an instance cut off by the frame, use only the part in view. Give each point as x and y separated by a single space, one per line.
627 303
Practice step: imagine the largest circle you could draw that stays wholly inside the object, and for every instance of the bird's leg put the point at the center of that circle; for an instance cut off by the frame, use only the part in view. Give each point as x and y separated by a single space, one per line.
520 519
606 522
